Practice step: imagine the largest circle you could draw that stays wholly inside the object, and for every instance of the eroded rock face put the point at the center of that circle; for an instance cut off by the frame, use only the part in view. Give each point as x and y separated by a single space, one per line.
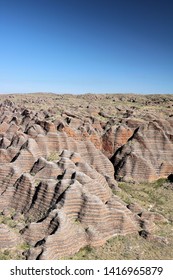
55 172
80 206
147 155
59 180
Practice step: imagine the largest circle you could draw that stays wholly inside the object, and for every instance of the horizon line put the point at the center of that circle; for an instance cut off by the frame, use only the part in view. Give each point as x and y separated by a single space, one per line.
84 93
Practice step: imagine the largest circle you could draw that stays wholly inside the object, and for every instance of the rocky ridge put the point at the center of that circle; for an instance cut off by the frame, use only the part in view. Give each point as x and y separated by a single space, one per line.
58 170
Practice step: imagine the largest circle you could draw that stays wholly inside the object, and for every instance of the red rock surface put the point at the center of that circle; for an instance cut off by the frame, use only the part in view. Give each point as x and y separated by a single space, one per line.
55 170
147 155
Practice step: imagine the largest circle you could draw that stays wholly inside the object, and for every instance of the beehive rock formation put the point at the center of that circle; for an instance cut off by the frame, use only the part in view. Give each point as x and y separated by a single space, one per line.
147 155
55 170
79 206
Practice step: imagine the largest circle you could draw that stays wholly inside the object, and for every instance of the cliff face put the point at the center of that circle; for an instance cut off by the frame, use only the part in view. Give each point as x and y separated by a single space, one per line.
56 172
147 155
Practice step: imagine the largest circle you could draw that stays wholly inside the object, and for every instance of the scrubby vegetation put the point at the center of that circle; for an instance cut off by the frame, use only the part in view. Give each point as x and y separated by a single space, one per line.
156 196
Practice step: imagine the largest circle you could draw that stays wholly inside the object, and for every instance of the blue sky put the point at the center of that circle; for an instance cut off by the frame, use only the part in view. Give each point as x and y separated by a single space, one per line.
81 46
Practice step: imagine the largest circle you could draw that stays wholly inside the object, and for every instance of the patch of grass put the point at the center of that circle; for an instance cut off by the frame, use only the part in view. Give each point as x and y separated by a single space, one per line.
124 196
37 183
77 221
5 255
24 246
159 183
8 221
54 156
83 253
152 196
10 255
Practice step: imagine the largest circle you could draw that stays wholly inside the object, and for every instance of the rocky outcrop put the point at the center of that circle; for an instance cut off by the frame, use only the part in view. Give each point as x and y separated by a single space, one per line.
147 155
115 137
55 171
59 179
75 202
